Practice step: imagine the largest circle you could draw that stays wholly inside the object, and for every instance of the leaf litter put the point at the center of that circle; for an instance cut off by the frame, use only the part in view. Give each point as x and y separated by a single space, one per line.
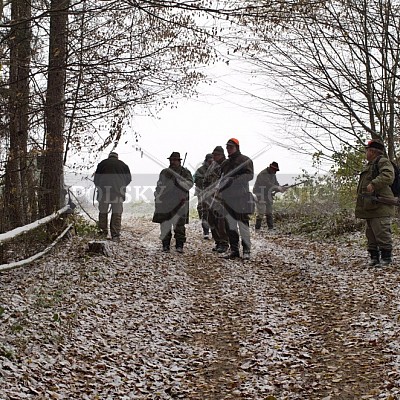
300 320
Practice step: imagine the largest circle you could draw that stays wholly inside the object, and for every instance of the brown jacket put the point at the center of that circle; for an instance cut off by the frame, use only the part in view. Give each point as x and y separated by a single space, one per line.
381 178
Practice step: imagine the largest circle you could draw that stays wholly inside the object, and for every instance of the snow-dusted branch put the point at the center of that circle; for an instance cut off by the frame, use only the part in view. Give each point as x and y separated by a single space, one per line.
5 237
16 264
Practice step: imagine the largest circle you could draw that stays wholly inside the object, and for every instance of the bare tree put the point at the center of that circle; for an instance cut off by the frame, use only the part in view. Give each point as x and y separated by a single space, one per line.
16 192
332 71
53 194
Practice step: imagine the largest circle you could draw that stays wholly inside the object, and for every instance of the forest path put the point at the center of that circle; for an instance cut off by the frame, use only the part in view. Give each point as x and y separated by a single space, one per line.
300 320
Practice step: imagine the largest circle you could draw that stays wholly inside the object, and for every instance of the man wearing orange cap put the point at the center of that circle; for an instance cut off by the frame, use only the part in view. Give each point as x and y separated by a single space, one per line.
264 188
237 172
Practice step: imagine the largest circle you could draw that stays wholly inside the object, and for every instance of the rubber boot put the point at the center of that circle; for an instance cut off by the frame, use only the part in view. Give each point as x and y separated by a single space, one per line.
166 245
374 254
206 229
234 251
115 226
386 257
179 246
103 222
270 221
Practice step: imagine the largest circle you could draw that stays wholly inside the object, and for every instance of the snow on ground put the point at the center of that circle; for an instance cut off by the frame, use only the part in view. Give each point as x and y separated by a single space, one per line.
300 320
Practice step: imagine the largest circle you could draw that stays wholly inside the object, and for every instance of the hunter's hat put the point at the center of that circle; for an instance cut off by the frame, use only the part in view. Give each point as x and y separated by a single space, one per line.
175 156
208 157
113 154
274 165
232 142
218 150
375 144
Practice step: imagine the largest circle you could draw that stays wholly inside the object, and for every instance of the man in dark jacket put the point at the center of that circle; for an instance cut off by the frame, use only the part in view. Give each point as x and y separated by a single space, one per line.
237 172
172 202
216 213
374 184
202 206
111 178
265 187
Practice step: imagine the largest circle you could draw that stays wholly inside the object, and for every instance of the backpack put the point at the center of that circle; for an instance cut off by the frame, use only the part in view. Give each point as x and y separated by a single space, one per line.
396 181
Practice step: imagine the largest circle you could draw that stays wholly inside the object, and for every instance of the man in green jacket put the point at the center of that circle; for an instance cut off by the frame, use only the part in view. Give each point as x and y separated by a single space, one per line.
202 206
265 187
374 184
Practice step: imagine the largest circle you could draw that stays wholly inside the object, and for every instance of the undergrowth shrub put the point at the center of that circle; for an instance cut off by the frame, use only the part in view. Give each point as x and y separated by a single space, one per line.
322 207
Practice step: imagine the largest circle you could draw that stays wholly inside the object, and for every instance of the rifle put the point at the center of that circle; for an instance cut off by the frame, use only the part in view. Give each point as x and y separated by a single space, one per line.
287 186
384 200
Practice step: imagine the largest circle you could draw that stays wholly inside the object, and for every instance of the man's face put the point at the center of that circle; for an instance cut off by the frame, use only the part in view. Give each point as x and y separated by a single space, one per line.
217 156
370 154
175 162
231 148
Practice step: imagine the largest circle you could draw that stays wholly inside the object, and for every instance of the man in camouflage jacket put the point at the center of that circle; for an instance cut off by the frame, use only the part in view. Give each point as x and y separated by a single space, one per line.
216 214
264 188
375 181
202 206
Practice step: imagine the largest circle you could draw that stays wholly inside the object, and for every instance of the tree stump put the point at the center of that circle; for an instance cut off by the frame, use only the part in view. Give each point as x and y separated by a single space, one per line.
99 247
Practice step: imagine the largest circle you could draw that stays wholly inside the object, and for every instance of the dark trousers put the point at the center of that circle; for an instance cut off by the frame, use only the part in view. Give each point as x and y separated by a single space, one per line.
238 224
217 225
202 209
176 224
116 216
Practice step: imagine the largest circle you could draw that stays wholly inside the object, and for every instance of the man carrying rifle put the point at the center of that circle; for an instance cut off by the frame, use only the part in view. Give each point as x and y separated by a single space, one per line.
172 202
237 171
375 181
216 212
265 187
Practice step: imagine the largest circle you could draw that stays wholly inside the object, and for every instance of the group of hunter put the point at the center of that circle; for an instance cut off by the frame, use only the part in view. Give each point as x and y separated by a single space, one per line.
225 202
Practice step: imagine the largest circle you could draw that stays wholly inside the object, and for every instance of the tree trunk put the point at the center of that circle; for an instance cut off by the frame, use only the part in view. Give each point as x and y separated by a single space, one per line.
53 178
16 189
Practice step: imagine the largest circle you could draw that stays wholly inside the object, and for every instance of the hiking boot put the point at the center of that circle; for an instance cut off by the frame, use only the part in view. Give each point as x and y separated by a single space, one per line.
206 237
179 249
116 238
232 255
246 255
258 224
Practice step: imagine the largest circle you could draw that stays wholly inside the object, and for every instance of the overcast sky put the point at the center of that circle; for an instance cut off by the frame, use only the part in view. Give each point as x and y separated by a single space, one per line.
198 125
